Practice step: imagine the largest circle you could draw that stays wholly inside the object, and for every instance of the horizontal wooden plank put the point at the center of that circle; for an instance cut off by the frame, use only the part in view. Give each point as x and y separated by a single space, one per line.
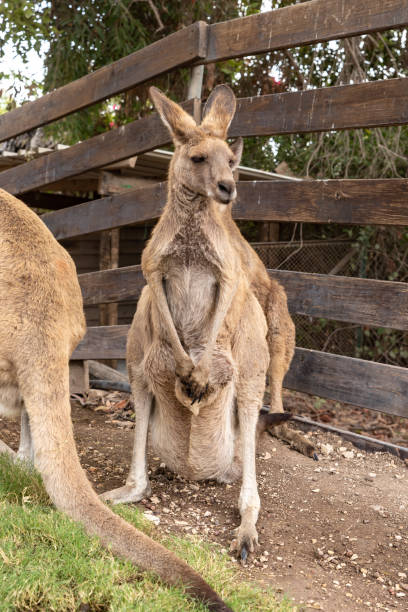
362 383
356 300
119 285
354 202
131 139
374 104
103 343
340 298
178 49
302 24
354 381
114 211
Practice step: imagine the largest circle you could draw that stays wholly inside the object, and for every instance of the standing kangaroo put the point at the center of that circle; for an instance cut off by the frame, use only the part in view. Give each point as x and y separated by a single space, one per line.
41 322
197 349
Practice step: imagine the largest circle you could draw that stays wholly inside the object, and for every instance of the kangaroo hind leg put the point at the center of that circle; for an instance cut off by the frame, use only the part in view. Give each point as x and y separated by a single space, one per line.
281 342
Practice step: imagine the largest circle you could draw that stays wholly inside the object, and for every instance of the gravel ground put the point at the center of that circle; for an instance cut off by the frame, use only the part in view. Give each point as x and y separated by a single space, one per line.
332 533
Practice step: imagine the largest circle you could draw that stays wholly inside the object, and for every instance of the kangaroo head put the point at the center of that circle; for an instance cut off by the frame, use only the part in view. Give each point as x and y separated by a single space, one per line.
203 162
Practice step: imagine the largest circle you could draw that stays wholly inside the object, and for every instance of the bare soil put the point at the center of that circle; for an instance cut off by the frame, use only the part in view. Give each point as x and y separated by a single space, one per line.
332 533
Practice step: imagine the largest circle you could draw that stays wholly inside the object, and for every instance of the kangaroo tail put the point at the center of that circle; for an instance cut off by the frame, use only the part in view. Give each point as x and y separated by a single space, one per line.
47 403
271 419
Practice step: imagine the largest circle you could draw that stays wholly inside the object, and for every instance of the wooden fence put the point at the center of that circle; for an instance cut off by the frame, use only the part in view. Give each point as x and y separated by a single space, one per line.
384 202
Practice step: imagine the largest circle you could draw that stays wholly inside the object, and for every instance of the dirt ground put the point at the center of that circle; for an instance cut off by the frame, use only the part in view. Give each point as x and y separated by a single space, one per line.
332 533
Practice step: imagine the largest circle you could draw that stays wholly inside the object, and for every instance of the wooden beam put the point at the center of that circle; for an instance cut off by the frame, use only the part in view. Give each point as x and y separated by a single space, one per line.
354 202
123 284
103 343
130 139
136 206
179 49
358 382
356 300
362 383
302 24
374 104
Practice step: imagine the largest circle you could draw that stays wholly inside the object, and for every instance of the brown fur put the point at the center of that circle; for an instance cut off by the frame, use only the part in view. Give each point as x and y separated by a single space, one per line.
197 349
41 323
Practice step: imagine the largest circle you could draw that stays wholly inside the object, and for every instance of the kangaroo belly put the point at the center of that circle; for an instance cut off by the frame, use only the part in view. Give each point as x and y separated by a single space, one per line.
191 293
197 447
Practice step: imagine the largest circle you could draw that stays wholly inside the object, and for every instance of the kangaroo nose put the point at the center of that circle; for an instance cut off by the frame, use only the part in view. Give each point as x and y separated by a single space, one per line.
225 188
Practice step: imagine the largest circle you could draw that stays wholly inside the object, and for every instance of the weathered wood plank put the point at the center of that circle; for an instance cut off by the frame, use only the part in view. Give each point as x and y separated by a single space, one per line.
374 104
354 381
130 139
302 24
355 202
114 211
340 298
183 47
362 383
103 343
120 285
355 300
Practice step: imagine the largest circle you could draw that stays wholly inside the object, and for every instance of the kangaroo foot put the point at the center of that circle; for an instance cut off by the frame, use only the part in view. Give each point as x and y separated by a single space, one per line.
126 494
245 541
297 440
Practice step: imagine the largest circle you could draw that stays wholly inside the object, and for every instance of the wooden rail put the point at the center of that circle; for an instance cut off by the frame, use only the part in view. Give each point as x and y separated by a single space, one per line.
301 24
355 202
355 381
355 300
184 47
128 140
373 104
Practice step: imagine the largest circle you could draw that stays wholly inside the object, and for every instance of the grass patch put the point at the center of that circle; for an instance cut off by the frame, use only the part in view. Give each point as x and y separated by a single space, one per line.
48 563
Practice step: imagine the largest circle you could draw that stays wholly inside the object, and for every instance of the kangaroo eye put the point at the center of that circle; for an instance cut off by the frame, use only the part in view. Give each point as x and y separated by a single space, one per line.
231 162
198 159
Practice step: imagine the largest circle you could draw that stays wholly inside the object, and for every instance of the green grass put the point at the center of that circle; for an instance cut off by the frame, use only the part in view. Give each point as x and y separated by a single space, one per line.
48 563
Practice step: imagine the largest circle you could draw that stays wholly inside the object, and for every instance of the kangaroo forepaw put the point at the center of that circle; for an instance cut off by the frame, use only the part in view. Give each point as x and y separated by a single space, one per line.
126 494
195 386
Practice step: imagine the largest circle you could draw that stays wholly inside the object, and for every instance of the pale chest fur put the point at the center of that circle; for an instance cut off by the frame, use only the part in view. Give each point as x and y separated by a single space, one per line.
191 270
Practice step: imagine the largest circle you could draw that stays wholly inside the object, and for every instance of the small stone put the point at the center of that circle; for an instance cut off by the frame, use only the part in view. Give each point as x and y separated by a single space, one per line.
348 454
152 517
326 449
166 510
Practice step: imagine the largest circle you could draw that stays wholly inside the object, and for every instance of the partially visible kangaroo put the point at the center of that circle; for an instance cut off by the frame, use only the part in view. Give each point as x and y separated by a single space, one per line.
41 322
197 352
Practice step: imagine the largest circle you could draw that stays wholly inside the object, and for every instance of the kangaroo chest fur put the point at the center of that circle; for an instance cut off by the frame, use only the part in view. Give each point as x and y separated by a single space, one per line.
191 269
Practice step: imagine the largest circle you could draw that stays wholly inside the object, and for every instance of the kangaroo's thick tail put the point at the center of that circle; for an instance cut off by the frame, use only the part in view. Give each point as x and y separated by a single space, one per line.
57 460
271 419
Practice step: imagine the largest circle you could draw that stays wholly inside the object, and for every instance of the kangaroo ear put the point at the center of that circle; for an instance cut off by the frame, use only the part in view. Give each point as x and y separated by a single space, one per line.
219 111
180 124
237 147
